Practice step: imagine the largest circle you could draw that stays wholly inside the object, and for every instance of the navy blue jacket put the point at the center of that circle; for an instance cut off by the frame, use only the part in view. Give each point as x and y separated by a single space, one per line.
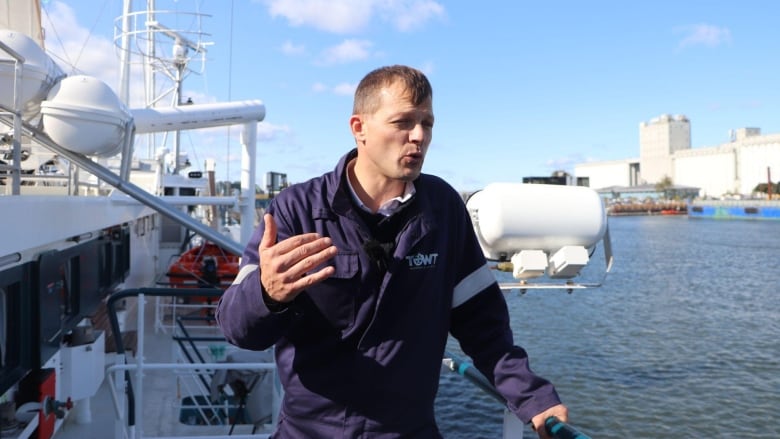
359 355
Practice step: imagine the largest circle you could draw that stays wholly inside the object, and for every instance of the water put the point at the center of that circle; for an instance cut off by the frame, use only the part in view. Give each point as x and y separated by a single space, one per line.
682 340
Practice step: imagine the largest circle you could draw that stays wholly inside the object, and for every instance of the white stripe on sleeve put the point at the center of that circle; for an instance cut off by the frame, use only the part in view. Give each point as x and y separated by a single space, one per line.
246 270
472 284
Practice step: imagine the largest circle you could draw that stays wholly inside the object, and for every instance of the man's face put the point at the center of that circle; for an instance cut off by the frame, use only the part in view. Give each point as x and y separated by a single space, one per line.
393 141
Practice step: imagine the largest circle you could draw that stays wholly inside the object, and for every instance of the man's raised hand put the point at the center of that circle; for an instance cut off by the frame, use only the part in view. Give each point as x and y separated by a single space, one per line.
286 266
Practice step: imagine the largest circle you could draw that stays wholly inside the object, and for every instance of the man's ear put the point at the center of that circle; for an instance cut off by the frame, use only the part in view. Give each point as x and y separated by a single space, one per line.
357 127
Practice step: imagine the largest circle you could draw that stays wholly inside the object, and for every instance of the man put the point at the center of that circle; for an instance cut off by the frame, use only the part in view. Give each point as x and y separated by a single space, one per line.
357 277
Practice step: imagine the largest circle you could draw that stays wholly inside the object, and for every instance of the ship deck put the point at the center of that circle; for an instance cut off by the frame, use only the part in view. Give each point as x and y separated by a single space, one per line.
174 401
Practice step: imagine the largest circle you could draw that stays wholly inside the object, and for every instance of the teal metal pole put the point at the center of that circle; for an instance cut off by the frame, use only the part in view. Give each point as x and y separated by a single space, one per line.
561 430
556 428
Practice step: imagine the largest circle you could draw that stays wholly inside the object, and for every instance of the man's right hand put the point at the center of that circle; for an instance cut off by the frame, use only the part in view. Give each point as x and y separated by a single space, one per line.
285 267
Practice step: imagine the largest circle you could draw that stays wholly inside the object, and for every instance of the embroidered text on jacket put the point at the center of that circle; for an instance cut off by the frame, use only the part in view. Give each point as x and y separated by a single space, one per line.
422 261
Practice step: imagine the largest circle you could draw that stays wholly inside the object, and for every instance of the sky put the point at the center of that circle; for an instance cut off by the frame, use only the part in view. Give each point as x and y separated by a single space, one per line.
520 88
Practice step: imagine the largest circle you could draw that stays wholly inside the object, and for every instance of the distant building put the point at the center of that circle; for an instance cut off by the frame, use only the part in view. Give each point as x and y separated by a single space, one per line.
603 174
736 167
562 178
275 182
659 139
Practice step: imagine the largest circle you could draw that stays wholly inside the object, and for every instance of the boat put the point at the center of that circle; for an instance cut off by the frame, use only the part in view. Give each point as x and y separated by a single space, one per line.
204 266
745 209
655 207
110 263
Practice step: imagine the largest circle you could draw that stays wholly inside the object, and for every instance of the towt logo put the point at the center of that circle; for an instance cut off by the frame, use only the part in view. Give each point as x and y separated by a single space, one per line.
422 261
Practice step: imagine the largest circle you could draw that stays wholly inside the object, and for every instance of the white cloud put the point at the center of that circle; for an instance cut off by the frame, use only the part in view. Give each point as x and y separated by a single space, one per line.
704 35
565 163
290 48
267 132
347 51
410 15
427 67
351 16
338 16
345 89
75 49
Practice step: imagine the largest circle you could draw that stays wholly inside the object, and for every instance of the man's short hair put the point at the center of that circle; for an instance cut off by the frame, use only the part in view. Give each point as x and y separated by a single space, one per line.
413 80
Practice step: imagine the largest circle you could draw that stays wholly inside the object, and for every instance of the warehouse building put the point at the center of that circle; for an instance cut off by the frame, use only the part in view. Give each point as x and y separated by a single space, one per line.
733 168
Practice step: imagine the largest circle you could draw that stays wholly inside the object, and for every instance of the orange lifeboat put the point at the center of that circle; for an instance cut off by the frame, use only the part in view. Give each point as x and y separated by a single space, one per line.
204 266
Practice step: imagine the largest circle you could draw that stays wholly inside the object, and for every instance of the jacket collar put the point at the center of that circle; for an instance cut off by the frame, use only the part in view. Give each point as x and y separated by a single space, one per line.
340 199
338 189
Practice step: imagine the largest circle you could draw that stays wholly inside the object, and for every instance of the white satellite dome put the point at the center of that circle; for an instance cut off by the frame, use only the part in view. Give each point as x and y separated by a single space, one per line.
39 73
84 115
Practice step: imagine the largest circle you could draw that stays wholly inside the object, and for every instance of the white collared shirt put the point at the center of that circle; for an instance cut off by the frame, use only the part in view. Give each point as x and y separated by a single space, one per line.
390 206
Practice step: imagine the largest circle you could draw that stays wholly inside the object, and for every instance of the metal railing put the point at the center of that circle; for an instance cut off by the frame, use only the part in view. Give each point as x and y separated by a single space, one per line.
556 428
126 380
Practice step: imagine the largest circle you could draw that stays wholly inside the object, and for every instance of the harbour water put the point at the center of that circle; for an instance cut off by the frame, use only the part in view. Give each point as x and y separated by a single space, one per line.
681 341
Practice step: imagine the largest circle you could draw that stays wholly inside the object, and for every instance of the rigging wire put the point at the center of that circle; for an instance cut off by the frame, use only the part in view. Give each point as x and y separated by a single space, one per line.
67 61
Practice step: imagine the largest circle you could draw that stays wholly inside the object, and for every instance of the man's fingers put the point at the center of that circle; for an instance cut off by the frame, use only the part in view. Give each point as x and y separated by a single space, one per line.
270 236
302 260
299 246
269 233
313 255
289 274
287 266
313 278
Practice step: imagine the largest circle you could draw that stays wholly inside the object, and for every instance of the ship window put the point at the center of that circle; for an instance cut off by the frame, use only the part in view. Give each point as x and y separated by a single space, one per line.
72 281
3 324
15 331
697 209
751 210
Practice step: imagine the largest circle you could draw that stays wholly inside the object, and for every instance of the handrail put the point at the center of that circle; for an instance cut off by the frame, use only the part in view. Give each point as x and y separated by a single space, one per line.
474 376
114 321
191 340
556 428
561 430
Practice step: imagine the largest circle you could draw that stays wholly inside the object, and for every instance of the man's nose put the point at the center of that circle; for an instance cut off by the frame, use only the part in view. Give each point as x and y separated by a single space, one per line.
417 134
